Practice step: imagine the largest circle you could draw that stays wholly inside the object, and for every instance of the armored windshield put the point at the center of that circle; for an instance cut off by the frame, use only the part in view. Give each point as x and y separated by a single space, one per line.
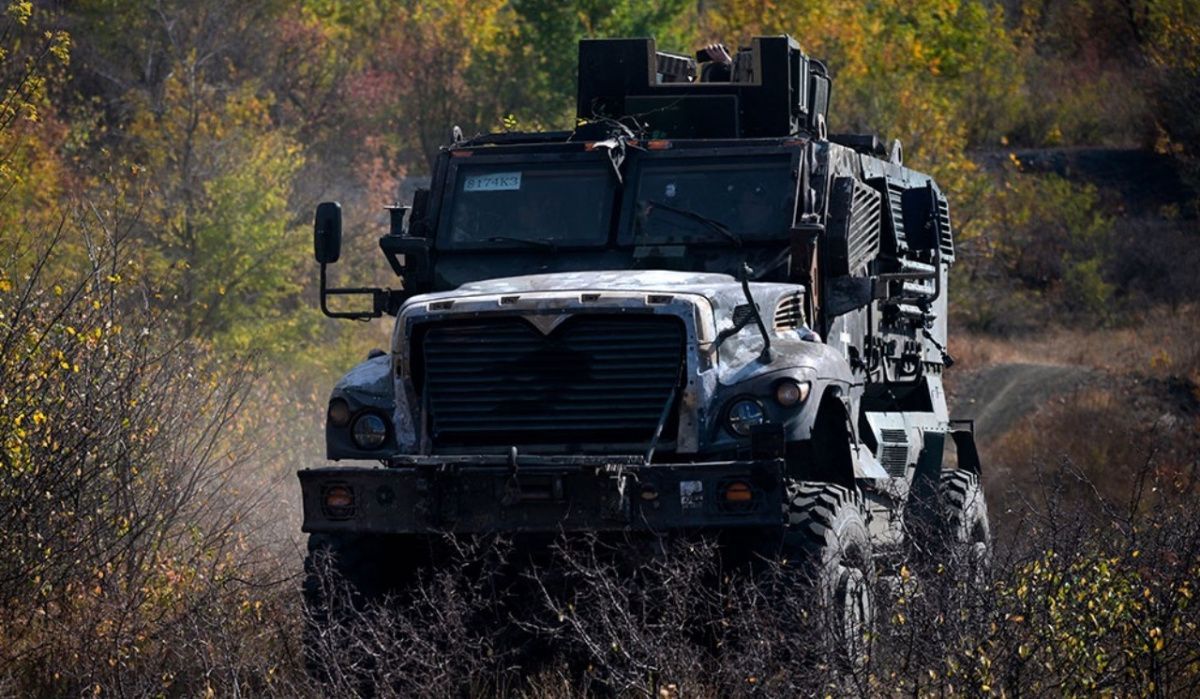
689 200
516 205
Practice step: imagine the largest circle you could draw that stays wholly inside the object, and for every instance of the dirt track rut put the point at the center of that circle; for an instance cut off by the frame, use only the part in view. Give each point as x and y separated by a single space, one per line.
996 397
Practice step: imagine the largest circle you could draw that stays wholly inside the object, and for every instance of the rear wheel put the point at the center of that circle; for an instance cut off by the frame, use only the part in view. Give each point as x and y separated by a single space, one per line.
963 525
827 535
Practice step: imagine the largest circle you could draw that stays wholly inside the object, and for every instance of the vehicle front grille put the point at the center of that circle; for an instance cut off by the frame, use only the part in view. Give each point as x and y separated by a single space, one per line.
594 379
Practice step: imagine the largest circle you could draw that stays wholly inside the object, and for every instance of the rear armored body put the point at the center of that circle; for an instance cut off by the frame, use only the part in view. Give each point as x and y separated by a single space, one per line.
696 312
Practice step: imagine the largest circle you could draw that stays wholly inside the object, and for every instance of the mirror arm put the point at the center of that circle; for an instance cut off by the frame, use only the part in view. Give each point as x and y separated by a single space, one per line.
380 298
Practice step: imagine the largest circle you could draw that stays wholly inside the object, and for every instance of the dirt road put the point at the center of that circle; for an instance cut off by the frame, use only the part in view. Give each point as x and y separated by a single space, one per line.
998 396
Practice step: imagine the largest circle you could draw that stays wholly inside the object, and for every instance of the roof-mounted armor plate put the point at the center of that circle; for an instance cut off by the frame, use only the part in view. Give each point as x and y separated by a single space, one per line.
774 90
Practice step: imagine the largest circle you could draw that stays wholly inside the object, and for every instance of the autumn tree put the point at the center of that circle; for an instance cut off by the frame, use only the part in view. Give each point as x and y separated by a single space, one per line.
203 162
33 56
216 212
1173 48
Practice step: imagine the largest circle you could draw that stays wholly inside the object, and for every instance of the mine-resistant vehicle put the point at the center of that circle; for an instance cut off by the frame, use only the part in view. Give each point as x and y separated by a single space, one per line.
696 312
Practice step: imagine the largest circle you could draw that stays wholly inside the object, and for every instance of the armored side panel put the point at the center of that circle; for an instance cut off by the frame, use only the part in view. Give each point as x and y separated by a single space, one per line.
895 238
927 220
854 226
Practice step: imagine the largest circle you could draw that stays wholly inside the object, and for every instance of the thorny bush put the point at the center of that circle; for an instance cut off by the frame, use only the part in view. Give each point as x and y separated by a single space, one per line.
124 562
1089 596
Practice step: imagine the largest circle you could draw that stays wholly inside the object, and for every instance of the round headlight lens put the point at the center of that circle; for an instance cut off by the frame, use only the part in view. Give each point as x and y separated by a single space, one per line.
369 431
744 415
339 412
789 392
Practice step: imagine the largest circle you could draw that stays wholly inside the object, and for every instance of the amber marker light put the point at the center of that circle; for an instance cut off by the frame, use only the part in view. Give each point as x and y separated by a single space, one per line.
658 144
789 392
339 412
339 497
738 491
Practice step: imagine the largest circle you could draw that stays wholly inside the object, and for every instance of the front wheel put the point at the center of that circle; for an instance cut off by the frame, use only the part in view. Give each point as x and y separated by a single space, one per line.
826 533
345 577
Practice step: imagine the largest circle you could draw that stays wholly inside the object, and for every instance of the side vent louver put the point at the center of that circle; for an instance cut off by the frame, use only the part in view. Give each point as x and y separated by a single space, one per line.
894 239
789 313
893 454
946 238
856 215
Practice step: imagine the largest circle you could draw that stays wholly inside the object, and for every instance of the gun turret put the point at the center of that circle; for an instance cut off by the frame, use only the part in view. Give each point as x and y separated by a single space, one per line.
774 90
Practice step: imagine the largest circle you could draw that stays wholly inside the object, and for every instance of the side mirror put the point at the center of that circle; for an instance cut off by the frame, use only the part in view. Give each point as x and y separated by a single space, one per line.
327 232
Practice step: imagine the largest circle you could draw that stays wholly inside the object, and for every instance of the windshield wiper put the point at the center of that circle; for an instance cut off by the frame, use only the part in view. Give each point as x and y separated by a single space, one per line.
711 223
531 242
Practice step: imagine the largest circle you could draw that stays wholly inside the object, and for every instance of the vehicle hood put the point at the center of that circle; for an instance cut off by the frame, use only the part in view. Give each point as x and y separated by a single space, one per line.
704 284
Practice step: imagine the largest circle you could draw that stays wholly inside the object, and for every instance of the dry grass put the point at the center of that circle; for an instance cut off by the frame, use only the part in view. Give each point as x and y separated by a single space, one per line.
1102 436
1092 596
1159 344
1142 404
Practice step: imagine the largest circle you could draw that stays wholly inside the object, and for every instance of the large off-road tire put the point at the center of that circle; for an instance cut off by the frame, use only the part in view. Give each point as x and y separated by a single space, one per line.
963 528
826 532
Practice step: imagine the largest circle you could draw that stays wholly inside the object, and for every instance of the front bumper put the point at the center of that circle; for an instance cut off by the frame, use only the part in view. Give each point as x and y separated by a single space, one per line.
498 494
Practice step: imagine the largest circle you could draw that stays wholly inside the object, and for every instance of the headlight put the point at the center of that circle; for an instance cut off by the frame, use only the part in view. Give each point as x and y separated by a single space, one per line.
789 392
743 415
369 431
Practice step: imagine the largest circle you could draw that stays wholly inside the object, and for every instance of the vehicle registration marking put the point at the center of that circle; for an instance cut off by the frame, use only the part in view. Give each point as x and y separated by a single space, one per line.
493 182
691 494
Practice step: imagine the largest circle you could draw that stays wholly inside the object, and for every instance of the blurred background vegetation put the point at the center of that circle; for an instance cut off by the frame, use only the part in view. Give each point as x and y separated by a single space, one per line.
210 129
164 368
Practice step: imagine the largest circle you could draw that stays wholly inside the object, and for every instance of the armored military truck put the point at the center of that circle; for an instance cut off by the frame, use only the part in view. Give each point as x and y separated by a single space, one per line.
697 312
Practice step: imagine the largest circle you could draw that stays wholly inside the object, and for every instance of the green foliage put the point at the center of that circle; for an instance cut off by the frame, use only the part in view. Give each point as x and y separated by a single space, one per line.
936 75
32 61
931 73
121 498
1086 622
1174 49
216 213
1085 290
28 57
1043 249
1083 618
219 106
